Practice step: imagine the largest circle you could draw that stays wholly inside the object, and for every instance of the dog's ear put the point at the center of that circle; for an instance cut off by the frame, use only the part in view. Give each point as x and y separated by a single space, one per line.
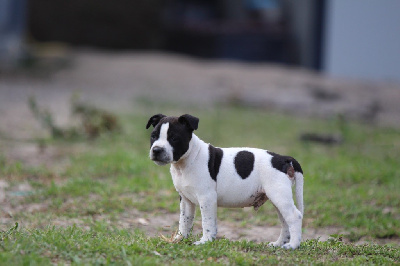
190 121
153 121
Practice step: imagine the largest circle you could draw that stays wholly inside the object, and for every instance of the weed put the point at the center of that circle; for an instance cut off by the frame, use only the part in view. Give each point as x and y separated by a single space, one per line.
46 119
93 121
4 235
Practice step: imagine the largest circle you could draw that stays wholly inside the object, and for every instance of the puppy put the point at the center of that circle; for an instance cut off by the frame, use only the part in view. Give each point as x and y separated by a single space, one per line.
212 177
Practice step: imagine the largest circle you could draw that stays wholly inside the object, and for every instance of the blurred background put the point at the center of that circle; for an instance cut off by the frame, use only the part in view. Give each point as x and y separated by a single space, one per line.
319 71
313 57
356 39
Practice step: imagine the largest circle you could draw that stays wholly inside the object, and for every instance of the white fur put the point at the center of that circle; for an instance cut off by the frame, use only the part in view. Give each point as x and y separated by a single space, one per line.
193 182
162 142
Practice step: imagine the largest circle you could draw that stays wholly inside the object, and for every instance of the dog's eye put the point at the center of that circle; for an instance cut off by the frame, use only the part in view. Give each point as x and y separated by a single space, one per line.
153 136
174 139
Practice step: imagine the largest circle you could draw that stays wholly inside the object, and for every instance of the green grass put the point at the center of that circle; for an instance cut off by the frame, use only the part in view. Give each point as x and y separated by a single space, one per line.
353 186
103 244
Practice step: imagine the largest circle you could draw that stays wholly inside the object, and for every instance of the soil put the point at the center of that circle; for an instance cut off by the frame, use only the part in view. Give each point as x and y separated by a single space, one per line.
153 224
119 81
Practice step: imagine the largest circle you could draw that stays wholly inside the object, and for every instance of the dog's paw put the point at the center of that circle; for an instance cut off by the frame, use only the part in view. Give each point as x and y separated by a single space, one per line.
289 246
202 241
275 244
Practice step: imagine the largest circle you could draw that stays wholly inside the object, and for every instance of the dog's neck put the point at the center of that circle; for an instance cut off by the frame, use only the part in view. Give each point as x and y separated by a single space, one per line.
191 154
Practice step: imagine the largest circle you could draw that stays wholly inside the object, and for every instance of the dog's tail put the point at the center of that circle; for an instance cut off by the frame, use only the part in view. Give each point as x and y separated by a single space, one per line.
299 179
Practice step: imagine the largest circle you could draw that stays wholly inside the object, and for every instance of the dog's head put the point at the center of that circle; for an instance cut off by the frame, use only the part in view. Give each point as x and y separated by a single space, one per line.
171 136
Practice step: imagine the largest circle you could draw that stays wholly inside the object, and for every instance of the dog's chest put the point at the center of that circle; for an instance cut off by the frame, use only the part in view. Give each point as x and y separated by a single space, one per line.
184 185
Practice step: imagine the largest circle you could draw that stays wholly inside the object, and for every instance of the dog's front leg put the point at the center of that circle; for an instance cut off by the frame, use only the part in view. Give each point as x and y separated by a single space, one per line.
208 208
186 218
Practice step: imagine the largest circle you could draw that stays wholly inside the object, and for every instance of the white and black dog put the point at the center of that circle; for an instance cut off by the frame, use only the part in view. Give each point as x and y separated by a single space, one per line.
213 177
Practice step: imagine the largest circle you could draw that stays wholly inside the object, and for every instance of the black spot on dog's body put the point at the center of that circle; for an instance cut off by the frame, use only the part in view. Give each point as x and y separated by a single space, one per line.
214 161
244 163
285 163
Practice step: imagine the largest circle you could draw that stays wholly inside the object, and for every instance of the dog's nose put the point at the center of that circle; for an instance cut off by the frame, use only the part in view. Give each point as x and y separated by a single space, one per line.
157 150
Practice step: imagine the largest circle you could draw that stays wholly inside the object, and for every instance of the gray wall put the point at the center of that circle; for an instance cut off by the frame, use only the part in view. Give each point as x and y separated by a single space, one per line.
302 15
362 39
12 30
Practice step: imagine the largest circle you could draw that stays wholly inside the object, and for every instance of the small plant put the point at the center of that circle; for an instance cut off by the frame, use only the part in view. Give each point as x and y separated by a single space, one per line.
93 121
4 235
45 118
173 238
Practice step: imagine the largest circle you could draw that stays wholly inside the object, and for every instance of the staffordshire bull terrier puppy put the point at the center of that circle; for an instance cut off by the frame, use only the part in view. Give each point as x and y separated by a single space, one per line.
211 177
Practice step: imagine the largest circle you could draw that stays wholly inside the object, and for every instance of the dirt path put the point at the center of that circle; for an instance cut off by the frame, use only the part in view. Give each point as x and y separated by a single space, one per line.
153 224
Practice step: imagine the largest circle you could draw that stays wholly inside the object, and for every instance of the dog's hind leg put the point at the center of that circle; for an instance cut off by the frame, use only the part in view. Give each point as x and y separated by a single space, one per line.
281 196
284 236
293 218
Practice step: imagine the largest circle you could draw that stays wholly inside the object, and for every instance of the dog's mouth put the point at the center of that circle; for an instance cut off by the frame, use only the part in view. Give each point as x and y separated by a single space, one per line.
159 162
160 159
159 156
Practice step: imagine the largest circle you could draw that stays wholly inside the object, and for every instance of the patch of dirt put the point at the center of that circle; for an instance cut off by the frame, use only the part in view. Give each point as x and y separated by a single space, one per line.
152 224
34 154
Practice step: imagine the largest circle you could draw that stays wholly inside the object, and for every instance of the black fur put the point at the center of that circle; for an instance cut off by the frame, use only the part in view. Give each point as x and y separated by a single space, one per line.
282 163
155 135
190 121
214 161
244 163
154 120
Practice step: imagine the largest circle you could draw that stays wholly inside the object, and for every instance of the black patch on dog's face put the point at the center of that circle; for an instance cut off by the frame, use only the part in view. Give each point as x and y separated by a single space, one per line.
283 163
214 161
244 163
178 135
155 134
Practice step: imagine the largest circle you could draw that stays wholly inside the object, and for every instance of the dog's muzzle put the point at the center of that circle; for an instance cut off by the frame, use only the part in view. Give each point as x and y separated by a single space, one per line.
159 155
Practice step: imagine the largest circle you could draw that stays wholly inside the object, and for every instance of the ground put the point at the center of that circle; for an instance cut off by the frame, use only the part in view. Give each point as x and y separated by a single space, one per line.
122 81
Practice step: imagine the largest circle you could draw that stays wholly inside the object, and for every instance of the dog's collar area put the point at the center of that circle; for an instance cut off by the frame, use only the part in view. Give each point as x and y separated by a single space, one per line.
191 155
